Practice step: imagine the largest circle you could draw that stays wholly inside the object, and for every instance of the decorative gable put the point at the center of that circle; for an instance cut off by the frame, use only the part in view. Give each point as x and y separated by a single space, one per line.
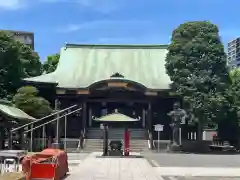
117 75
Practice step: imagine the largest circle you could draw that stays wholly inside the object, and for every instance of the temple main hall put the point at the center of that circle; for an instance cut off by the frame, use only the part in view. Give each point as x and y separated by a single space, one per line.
105 79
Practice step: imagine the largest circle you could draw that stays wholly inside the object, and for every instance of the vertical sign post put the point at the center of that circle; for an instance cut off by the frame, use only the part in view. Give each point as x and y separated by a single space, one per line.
158 128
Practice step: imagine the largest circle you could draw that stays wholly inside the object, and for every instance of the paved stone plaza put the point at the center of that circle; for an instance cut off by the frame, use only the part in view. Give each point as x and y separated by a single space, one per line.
93 167
198 178
193 160
86 166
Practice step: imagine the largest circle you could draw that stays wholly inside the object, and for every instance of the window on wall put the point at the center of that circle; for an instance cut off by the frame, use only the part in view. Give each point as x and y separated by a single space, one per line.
27 40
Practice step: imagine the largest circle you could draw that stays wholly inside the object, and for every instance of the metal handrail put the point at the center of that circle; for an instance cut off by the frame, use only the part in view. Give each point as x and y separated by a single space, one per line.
52 120
43 118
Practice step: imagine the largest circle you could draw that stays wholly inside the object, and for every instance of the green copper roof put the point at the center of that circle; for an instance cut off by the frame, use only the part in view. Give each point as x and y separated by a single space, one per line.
82 65
116 117
14 112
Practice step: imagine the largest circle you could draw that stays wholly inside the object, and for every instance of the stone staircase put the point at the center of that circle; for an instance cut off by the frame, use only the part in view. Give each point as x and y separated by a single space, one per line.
94 139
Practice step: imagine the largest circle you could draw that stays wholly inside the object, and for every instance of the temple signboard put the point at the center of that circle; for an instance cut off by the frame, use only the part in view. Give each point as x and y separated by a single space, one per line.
117 84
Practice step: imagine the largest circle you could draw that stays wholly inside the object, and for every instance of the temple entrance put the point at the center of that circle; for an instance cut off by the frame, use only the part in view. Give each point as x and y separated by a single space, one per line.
131 109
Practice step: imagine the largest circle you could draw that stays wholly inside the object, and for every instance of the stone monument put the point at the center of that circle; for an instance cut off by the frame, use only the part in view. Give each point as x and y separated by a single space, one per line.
177 116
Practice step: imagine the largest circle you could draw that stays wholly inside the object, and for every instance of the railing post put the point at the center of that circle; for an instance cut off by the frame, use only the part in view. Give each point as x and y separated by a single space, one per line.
43 137
57 103
31 138
65 132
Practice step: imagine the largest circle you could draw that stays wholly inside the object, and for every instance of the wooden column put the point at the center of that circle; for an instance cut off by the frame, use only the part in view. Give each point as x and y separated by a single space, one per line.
84 114
2 135
149 116
90 117
150 125
21 138
143 118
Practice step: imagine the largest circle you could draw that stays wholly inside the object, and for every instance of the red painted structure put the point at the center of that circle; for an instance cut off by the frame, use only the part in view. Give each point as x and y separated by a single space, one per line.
126 142
48 164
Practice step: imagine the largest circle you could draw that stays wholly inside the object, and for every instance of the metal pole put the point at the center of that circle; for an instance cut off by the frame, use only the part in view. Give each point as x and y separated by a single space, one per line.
57 124
180 136
43 137
158 140
31 139
65 133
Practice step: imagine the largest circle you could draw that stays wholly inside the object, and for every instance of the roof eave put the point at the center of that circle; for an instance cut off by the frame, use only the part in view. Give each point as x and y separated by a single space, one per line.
112 46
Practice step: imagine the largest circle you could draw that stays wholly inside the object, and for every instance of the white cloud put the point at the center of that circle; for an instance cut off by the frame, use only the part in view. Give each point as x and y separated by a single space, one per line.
106 25
12 4
104 6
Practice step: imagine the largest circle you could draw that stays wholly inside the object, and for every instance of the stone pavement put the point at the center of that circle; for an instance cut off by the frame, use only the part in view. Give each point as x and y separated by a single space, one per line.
75 159
198 171
197 178
95 168
194 160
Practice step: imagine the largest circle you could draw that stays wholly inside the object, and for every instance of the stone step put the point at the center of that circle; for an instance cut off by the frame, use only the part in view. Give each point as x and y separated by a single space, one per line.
116 133
97 145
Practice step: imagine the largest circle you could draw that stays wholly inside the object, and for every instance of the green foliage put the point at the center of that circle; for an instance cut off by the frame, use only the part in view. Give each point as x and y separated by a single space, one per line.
196 63
51 63
27 100
17 61
30 61
233 92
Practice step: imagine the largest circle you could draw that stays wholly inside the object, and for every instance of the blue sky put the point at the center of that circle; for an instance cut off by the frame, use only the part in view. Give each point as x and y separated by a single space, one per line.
55 22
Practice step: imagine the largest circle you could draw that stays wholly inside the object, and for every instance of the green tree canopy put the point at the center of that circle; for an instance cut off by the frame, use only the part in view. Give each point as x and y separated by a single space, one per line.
196 63
27 100
17 61
233 92
51 63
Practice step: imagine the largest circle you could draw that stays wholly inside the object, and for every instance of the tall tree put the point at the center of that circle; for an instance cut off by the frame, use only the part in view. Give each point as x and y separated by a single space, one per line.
17 61
30 61
228 124
27 100
196 63
51 63
233 92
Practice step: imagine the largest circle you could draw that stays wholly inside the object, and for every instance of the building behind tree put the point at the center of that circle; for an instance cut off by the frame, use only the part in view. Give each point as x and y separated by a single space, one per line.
233 53
23 36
